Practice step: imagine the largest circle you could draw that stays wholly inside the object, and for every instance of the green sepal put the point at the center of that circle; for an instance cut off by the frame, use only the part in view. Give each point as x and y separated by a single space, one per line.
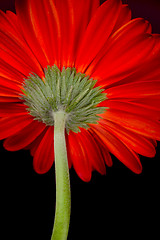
66 90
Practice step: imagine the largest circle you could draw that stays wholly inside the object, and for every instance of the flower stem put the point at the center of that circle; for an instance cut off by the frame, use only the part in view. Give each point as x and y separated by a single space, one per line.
63 195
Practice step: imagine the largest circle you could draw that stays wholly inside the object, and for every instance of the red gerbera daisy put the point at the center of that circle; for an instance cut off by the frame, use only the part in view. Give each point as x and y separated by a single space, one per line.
78 81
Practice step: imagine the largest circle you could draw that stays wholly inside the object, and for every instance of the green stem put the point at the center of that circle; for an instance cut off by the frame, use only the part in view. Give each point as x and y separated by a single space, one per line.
63 195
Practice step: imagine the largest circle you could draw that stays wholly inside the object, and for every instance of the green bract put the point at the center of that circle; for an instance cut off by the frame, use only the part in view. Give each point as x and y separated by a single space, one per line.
67 91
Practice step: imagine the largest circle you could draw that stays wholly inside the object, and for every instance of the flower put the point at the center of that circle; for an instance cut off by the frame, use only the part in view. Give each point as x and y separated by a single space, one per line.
107 45
112 60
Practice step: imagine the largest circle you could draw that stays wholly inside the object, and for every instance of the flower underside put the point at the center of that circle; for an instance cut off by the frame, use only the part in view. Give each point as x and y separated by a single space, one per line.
67 91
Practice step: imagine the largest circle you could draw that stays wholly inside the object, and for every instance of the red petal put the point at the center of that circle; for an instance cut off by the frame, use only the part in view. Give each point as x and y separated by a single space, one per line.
24 137
138 124
9 99
10 84
135 90
44 155
6 92
51 29
13 48
122 60
133 108
9 72
74 18
12 125
98 31
121 151
10 109
79 157
104 151
150 103
123 18
34 145
93 151
9 88
130 46
132 140
148 72
27 13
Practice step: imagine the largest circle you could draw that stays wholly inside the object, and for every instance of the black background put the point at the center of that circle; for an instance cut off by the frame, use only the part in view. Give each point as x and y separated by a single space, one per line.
120 204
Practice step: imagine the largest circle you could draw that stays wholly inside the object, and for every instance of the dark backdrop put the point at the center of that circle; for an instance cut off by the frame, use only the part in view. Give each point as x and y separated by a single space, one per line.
120 204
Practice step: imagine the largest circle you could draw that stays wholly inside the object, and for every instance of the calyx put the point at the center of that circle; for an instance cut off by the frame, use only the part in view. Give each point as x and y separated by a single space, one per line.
67 91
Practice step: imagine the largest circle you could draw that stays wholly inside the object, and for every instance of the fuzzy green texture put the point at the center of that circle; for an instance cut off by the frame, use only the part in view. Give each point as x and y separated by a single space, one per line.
68 91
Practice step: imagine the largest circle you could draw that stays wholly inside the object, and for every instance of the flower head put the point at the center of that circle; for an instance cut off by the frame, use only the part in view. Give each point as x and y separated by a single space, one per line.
78 80
101 43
